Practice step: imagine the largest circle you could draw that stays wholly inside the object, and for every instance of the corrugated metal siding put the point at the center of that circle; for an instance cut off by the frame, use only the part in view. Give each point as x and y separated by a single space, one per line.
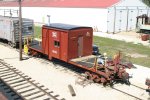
110 19
9 28
5 27
122 17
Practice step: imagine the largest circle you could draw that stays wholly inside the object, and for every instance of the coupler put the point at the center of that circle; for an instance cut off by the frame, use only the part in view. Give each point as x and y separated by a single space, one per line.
147 82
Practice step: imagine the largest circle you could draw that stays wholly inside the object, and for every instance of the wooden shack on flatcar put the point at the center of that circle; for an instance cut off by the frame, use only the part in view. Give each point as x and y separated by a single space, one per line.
65 42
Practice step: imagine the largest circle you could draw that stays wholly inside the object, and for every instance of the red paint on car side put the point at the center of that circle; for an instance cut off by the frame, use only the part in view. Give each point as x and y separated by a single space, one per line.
67 44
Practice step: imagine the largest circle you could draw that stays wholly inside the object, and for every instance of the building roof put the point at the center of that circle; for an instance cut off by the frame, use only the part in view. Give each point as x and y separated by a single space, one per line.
63 3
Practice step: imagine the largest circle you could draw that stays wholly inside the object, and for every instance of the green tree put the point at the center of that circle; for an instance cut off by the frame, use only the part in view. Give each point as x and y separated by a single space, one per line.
146 2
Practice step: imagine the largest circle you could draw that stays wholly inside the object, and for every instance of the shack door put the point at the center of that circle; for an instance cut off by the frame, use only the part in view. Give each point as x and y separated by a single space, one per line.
54 41
80 46
45 44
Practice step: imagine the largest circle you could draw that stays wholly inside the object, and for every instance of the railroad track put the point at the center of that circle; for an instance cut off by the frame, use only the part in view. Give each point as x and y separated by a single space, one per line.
23 85
8 93
137 93
134 91
138 87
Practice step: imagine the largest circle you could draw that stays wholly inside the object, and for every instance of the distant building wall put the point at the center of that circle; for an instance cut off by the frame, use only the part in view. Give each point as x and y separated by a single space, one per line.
96 18
116 18
122 16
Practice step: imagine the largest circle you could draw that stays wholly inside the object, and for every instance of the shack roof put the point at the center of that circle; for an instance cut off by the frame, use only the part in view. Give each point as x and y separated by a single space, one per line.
64 26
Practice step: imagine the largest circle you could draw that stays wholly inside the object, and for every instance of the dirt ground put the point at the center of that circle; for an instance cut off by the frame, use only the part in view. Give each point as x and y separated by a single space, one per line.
131 36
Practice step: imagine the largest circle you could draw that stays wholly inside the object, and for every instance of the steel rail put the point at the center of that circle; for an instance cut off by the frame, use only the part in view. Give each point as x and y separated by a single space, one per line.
127 93
25 79
75 70
138 86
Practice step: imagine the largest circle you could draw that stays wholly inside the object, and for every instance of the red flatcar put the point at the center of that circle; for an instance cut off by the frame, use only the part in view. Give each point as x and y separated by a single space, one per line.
73 44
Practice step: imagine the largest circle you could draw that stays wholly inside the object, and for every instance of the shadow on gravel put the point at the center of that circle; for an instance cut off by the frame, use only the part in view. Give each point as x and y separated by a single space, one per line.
68 66
12 58
24 58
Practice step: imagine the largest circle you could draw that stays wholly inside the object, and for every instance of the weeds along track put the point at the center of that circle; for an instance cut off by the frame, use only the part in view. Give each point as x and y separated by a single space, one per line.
23 85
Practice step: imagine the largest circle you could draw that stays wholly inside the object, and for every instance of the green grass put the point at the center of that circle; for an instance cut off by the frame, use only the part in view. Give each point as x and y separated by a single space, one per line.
111 47
37 31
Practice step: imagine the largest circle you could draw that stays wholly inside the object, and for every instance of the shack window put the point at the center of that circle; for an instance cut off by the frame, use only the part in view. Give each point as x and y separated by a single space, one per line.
56 43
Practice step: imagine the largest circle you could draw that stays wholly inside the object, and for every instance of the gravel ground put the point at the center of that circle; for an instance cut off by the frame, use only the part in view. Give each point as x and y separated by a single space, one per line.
57 79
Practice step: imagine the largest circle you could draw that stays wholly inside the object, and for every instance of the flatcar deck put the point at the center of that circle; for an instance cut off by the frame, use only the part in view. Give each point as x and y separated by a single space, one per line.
87 61
36 45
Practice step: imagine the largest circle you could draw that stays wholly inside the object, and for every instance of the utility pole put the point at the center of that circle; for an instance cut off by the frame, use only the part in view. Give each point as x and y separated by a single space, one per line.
20 25
20 31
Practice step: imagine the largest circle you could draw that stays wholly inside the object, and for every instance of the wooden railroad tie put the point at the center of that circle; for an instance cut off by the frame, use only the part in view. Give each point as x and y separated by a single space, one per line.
71 90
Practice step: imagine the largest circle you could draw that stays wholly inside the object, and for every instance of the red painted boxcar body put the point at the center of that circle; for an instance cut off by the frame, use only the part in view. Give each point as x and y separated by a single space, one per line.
65 42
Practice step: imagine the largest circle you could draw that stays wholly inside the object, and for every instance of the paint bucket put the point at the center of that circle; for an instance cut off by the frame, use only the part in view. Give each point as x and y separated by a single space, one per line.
144 37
